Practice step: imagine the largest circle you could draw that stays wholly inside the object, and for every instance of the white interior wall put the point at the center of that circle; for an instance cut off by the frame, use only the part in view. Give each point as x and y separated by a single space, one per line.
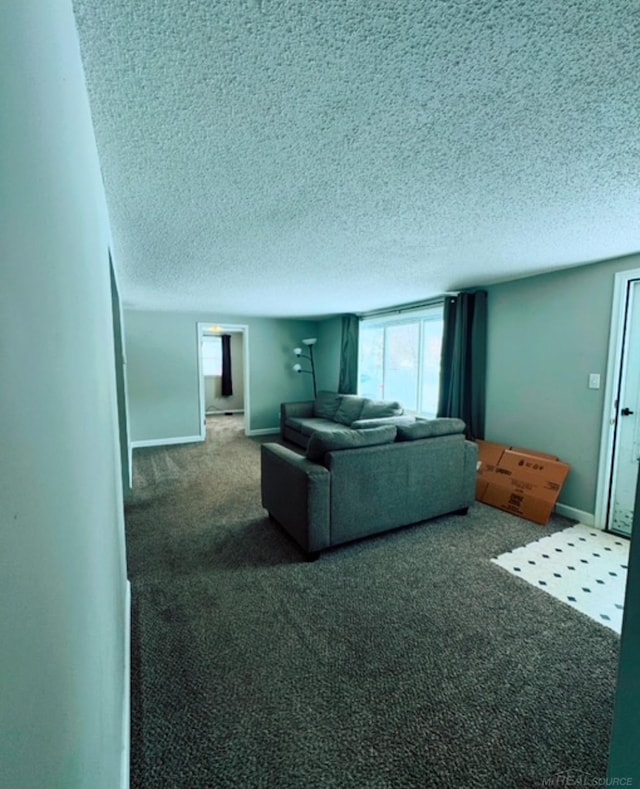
62 556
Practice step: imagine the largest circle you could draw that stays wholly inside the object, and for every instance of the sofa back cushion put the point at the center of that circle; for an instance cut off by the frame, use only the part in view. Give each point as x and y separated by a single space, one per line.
349 409
326 404
328 441
380 488
429 428
377 409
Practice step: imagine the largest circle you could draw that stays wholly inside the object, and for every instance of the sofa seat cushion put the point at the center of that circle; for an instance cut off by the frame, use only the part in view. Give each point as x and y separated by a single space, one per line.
309 424
326 404
329 441
378 409
429 428
349 409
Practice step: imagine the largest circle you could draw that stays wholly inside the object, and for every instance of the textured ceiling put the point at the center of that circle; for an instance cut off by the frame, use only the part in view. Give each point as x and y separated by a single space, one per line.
299 157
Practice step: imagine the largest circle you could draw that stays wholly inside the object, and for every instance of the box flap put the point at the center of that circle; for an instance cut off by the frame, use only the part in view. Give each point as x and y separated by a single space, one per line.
522 482
535 454
535 467
490 452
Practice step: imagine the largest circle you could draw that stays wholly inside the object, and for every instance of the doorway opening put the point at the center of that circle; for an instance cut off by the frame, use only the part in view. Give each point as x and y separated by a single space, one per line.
620 444
223 372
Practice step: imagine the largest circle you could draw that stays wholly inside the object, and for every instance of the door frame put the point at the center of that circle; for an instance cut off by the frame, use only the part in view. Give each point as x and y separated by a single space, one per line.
205 328
122 388
612 392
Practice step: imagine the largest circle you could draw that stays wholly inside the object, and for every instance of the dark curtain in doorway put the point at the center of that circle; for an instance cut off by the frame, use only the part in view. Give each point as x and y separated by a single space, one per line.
348 379
227 385
464 360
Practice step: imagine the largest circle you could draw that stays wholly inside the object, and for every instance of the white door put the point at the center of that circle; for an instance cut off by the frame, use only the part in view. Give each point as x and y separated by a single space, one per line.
626 452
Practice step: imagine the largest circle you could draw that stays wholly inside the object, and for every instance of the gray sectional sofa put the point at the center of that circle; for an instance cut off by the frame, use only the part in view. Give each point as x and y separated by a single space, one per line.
330 411
355 482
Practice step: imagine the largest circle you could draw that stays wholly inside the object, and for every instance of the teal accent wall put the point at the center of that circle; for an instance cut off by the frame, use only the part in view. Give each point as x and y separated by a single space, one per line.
62 557
545 335
328 354
162 370
162 380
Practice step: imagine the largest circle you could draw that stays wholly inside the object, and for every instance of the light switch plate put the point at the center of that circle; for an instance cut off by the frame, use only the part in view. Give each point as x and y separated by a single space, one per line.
594 380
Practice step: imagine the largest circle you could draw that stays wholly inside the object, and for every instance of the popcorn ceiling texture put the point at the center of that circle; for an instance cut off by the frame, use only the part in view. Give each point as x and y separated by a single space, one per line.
284 157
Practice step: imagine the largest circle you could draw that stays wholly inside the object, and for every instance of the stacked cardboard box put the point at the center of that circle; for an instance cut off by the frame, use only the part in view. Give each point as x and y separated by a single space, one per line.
519 481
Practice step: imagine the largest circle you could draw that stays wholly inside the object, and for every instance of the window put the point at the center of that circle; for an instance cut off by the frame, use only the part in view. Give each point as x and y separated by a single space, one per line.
212 355
399 359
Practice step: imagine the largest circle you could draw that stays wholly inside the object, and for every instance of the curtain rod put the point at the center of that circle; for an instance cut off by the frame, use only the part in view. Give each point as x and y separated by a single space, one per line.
411 307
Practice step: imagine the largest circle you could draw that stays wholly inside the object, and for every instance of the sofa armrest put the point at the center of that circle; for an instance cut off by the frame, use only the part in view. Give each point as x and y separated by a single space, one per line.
300 409
296 492
470 473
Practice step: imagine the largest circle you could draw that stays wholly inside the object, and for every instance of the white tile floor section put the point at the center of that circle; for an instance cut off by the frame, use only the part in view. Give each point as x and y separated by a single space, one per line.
582 566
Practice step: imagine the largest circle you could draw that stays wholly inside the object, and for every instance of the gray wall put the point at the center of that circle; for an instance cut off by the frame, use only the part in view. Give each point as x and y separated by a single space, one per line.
62 569
162 370
545 335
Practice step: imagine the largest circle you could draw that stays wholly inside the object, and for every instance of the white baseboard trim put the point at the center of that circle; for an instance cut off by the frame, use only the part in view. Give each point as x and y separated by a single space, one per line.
126 698
162 442
579 515
265 431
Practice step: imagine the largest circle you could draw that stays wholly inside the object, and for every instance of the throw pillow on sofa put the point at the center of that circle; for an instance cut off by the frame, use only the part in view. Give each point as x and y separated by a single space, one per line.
428 428
367 424
349 409
377 409
328 441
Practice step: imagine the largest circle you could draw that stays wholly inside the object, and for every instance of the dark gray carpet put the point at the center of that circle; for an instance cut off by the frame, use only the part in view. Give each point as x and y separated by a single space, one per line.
405 660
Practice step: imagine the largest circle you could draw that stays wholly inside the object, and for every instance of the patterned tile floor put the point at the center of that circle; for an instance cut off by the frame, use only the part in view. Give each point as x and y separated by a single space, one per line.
582 566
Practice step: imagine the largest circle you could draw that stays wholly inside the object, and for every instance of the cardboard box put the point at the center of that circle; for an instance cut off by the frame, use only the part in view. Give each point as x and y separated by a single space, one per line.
520 481
489 455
